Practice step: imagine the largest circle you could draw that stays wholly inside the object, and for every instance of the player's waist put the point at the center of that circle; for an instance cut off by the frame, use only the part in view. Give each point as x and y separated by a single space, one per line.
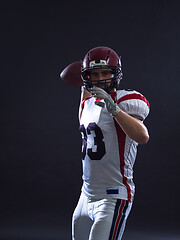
95 193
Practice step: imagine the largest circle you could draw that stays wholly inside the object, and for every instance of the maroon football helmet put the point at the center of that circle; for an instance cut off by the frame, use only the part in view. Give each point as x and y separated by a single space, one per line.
101 58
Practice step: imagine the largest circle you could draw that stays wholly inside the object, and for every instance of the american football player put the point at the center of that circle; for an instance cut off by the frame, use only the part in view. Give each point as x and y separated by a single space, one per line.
111 125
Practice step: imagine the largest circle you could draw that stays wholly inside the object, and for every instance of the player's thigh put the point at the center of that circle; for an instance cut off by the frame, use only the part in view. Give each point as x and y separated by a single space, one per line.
110 219
81 228
103 214
81 223
101 229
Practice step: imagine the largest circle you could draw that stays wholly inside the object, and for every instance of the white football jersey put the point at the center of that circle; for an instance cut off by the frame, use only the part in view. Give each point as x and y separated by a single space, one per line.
108 154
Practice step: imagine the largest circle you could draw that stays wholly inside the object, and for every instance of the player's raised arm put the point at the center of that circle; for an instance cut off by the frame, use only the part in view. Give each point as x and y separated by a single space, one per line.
84 94
72 75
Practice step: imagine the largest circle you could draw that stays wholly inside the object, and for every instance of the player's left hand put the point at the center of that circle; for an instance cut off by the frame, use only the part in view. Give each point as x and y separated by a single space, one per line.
111 106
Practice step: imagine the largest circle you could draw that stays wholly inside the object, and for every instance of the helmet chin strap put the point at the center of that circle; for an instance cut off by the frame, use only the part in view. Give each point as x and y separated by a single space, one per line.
101 83
112 86
109 89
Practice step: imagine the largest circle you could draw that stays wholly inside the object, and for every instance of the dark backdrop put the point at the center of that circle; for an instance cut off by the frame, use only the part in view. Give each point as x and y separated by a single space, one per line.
40 141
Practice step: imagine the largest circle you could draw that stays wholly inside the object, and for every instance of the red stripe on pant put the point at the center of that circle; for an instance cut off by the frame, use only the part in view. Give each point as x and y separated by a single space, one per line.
118 219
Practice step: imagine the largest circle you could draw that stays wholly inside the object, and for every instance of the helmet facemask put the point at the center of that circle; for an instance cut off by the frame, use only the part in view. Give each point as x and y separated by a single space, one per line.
108 84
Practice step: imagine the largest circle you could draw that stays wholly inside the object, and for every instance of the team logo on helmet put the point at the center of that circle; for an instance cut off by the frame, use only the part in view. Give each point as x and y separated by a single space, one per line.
97 63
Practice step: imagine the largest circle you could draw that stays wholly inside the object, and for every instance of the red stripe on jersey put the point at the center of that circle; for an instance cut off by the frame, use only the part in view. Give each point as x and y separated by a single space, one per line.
83 102
113 95
121 142
118 219
134 96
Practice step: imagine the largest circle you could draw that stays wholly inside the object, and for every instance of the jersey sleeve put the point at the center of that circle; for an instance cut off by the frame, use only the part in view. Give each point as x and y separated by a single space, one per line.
134 104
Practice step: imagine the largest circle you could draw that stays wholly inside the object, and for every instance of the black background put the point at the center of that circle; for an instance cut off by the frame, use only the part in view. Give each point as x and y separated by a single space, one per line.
40 141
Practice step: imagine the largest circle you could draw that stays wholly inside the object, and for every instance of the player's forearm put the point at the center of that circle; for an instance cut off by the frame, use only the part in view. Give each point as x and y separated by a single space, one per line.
133 127
84 94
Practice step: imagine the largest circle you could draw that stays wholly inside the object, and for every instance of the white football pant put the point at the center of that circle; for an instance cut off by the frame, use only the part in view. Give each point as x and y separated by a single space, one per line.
104 219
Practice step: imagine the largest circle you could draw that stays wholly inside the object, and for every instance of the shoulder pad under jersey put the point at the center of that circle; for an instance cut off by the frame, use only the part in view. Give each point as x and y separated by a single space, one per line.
133 103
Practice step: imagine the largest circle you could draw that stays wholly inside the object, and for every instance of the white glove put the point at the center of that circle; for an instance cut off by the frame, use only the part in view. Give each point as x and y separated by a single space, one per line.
111 106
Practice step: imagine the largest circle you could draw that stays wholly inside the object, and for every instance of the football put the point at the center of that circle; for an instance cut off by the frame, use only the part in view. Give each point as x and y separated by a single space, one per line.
72 74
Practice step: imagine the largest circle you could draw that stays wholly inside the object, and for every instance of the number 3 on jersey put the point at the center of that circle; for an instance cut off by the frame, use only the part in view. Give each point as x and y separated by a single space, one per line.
93 131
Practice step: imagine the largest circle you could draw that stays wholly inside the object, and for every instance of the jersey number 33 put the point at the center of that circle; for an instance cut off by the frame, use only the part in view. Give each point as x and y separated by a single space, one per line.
93 135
